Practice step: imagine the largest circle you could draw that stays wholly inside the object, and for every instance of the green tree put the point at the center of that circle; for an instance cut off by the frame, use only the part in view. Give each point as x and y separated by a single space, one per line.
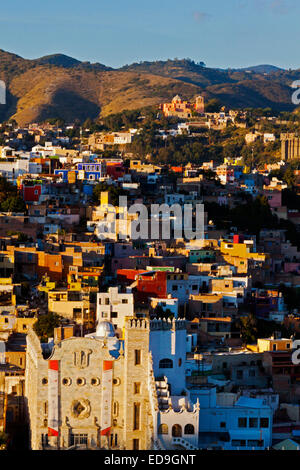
44 327
248 328
13 203
114 193
3 440
213 106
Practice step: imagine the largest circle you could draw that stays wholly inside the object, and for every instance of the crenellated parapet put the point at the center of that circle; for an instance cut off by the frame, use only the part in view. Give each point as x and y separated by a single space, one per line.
168 324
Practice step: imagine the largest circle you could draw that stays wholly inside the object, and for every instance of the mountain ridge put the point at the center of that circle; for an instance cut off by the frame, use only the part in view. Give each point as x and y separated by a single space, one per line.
58 85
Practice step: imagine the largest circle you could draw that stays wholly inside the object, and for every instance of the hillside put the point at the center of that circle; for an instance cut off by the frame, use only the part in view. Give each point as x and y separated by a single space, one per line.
60 86
58 59
263 68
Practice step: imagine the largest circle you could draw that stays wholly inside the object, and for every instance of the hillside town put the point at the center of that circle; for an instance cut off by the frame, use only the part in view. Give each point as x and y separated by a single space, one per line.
111 338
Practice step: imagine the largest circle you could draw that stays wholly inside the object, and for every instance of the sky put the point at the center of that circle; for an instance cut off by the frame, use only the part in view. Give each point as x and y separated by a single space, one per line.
221 33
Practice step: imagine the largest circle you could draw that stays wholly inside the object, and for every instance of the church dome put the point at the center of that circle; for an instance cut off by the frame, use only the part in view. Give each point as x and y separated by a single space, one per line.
105 329
176 98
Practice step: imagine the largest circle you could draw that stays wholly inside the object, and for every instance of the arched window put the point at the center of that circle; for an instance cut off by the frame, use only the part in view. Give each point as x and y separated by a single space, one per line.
189 429
166 364
163 429
176 430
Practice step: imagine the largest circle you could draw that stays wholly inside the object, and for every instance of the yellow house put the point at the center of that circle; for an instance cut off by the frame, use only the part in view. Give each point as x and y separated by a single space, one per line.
10 323
233 161
8 292
80 278
241 250
271 344
72 305
141 167
113 220
46 285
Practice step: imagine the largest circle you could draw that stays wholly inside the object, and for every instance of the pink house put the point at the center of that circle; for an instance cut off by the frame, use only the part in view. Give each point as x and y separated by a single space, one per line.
274 198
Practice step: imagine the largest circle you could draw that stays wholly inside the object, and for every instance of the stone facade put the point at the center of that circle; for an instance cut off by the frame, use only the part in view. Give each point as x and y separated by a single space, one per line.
80 400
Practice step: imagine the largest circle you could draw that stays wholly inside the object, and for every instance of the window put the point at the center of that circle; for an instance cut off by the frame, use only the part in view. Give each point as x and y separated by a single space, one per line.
163 429
77 313
66 381
238 443
136 416
251 373
222 424
264 422
44 381
242 422
116 408
189 429
239 374
177 430
124 301
274 347
80 381
136 444
255 443
104 314
114 314
95 381
288 345
137 357
166 364
137 388
175 287
253 422
79 439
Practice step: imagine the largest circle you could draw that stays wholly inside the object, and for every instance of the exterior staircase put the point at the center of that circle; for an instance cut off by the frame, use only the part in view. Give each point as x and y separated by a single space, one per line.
163 394
179 441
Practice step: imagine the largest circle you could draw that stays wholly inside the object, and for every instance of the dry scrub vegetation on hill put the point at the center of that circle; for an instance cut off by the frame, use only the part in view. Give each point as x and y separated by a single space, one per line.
59 86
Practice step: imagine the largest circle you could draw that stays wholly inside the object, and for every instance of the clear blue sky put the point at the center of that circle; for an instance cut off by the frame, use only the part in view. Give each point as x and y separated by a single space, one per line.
222 33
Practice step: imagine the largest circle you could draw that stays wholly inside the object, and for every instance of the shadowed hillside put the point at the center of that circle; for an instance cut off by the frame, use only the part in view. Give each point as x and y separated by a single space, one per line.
60 86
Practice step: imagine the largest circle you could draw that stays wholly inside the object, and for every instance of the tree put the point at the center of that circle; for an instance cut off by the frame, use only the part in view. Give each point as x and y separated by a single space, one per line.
114 193
213 106
10 200
248 328
13 203
44 327
161 313
3 440
289 177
